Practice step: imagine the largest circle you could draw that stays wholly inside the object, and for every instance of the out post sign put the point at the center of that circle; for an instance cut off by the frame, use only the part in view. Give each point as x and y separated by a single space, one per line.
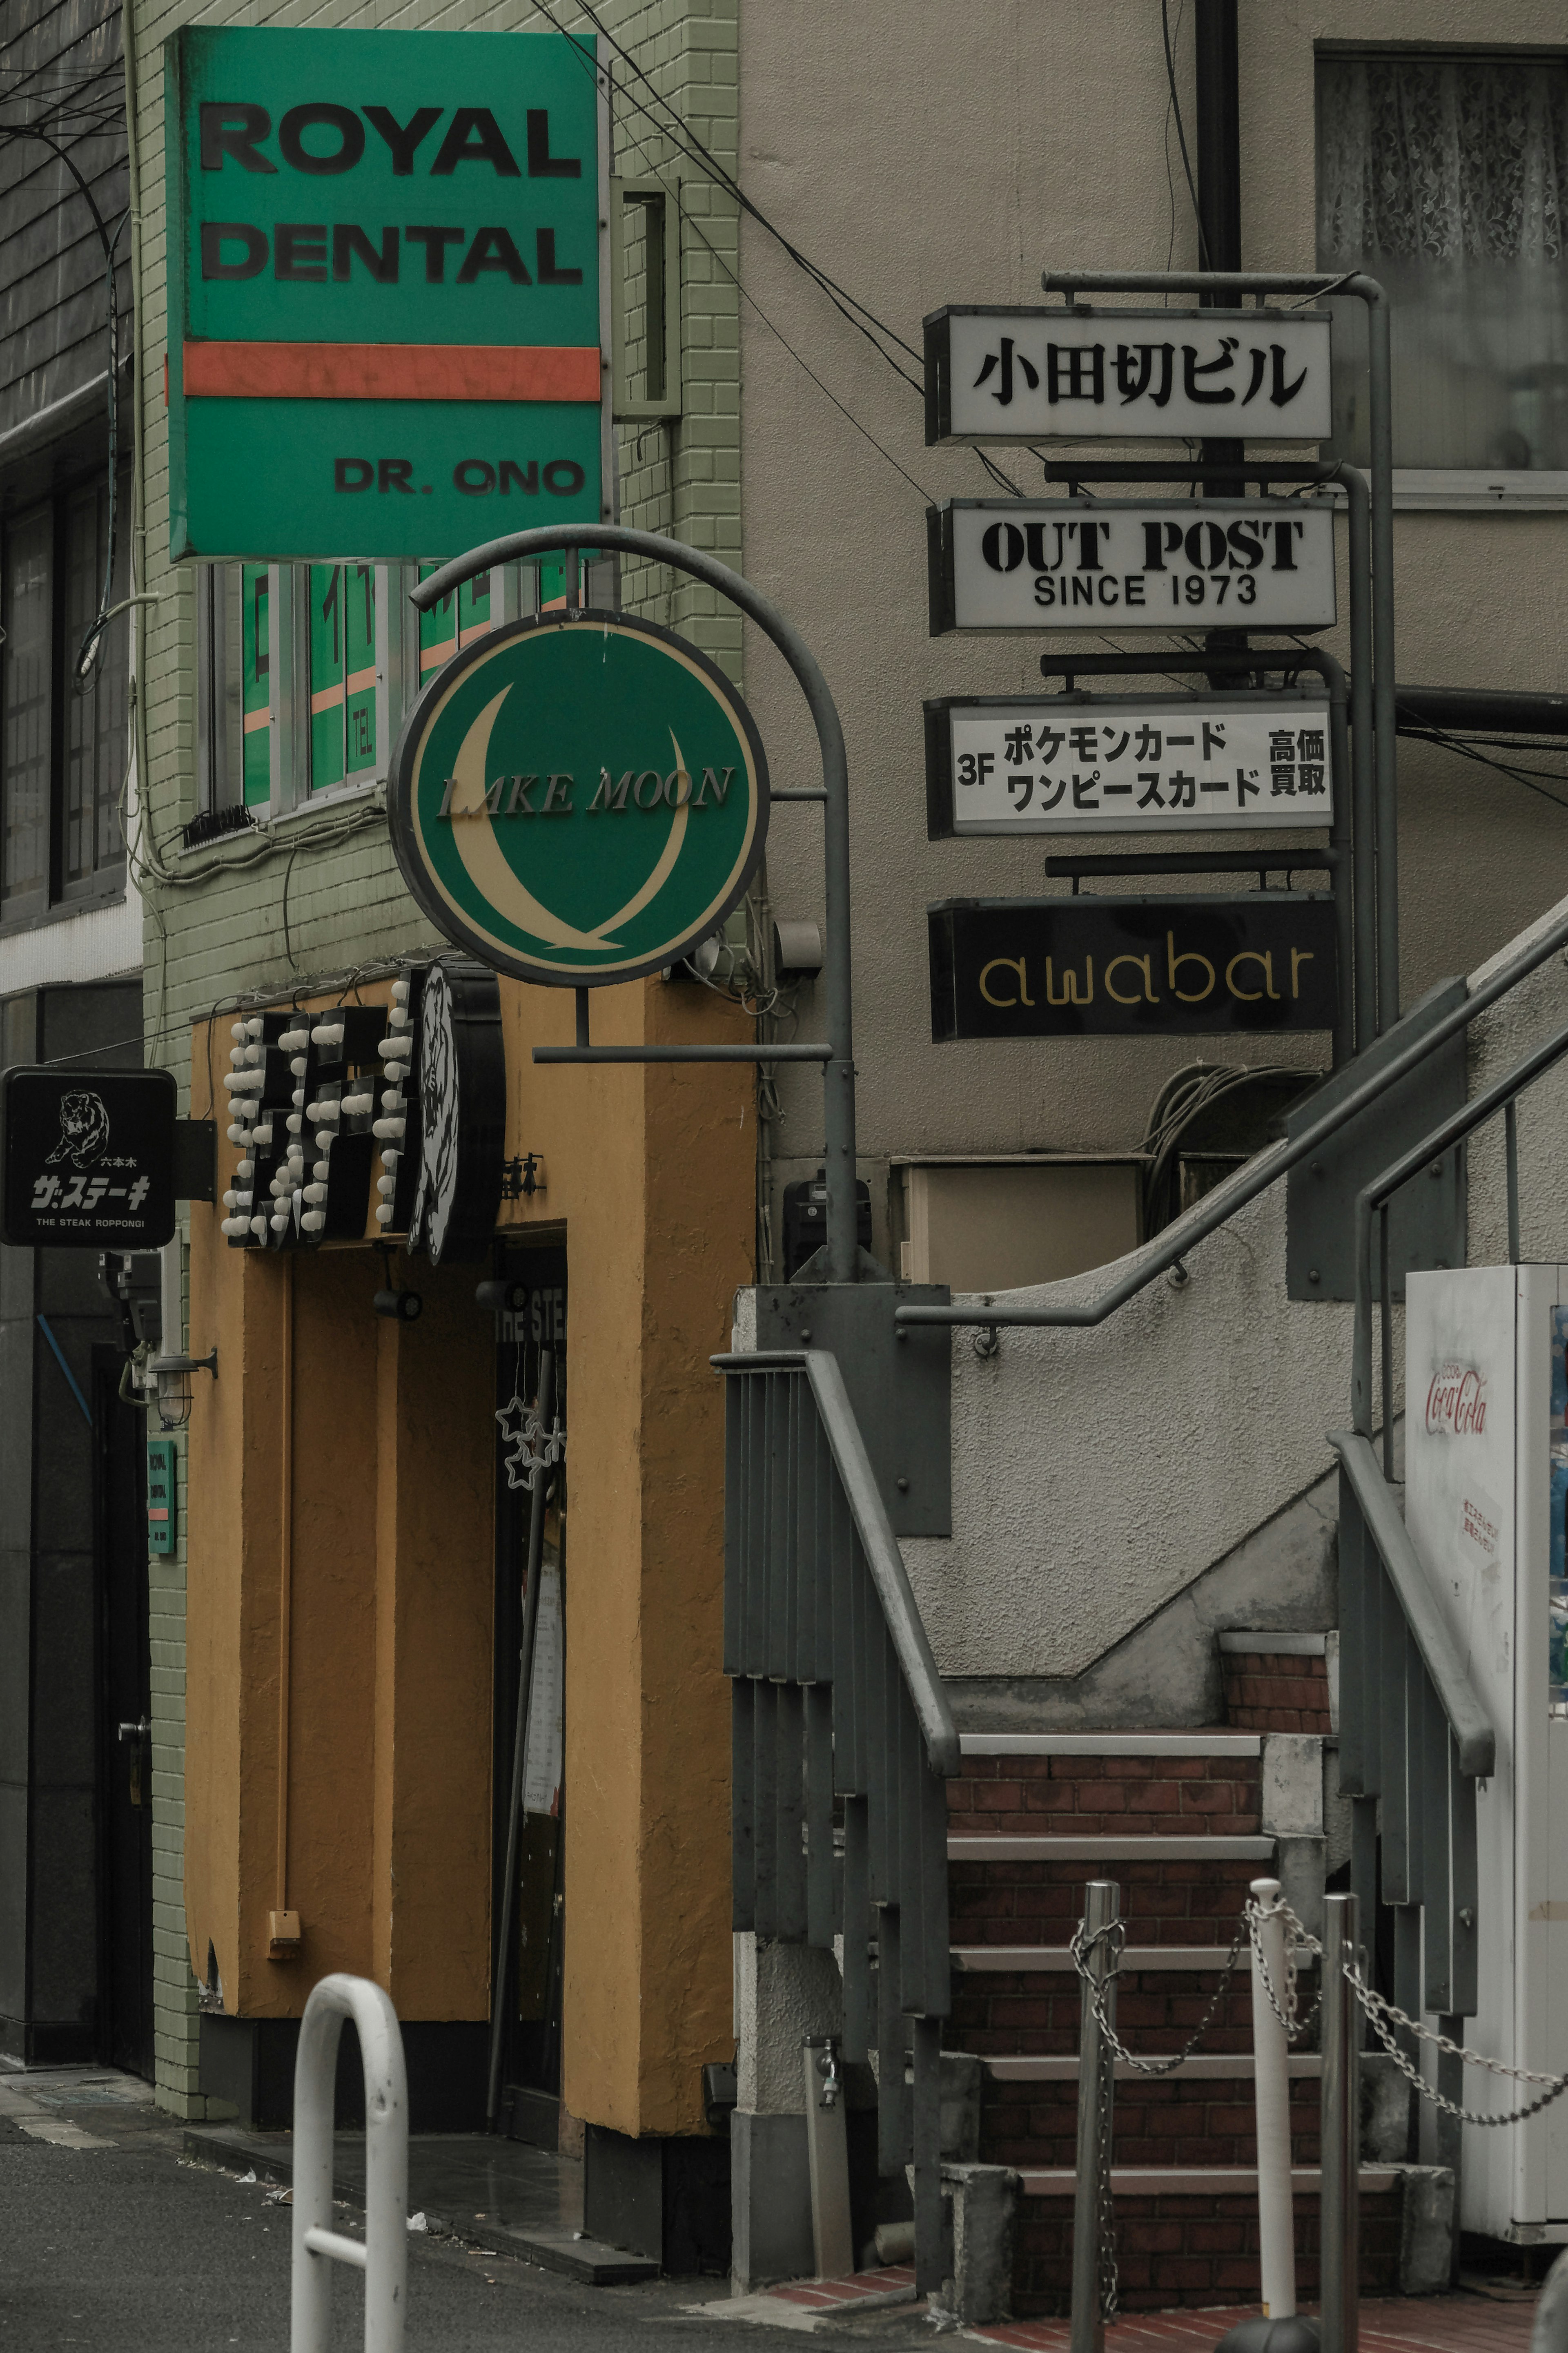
385 321
578 801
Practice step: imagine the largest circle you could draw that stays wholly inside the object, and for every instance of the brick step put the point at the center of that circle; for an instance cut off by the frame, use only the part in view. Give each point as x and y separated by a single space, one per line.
1016 2008
1110 1743
1197 2180
1036 1960
1013 1892
1161 2122
1038 1783
1178 2243
1108 1847
1229 2065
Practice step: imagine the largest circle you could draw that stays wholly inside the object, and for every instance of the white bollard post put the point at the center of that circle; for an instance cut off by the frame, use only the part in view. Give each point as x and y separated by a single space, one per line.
1271 2062
383 2254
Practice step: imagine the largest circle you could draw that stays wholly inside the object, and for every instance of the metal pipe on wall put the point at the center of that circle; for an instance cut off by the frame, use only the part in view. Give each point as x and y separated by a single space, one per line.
537 1501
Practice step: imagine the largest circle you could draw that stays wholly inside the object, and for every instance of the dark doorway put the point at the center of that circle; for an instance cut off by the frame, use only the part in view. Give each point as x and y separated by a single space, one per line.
526 1982
125 1750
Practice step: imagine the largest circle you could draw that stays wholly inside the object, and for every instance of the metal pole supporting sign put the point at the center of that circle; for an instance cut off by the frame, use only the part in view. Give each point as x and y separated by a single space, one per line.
837 1052
383 2254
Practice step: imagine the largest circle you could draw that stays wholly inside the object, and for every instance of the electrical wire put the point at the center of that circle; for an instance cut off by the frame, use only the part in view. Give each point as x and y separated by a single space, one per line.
1474 751
1181 132
685 137
687 143
1186 1095
747 296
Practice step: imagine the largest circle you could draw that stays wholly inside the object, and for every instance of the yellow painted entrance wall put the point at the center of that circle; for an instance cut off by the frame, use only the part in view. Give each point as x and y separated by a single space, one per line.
383 1522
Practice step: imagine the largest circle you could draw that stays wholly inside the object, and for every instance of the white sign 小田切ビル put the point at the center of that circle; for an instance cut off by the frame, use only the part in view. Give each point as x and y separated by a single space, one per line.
1091 374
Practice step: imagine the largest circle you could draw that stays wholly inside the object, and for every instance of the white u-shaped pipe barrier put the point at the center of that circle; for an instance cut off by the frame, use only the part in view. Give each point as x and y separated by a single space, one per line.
383 2254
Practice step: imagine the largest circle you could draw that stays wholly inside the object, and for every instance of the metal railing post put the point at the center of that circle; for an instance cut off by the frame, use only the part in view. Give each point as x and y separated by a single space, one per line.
1101 1906
383 2254
1271 2091
1338 2232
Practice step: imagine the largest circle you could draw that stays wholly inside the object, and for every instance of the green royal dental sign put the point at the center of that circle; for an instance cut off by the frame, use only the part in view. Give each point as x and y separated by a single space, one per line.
384 282
578 802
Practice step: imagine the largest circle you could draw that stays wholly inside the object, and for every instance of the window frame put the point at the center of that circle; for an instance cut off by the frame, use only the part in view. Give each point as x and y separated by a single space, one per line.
1462 489
220 652
60 897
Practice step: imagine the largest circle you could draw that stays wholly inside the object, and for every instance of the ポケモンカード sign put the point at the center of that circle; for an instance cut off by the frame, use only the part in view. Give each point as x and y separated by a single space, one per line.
384 289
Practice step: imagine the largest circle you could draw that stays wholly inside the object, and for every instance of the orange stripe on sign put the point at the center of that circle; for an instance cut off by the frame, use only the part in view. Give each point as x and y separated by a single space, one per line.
391 372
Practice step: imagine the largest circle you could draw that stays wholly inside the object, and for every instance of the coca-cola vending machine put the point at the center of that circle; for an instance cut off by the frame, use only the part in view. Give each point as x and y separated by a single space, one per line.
1487 1492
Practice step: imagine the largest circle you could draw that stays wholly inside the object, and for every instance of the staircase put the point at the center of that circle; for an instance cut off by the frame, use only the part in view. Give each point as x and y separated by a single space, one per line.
1174 1818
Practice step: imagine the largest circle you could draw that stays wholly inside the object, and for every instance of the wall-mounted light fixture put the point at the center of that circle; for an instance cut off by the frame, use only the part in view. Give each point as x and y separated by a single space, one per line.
173 1376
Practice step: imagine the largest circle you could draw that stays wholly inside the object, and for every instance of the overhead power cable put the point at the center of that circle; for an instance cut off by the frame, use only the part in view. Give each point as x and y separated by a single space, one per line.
693 148
1181 130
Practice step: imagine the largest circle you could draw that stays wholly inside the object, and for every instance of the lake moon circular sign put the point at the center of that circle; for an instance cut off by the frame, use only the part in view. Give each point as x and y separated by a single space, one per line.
579 801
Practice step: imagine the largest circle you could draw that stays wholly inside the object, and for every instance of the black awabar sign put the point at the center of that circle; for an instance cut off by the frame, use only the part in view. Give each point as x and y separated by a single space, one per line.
1115 967
88 1158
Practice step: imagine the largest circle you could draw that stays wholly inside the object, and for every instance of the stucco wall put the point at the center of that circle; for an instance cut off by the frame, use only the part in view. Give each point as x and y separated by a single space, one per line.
1097 1473
924 155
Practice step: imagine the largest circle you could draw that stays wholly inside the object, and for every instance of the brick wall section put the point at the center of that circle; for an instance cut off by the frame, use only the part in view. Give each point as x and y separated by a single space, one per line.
1175 1903
1267 1691
1176 2120
344 901
1001 2013
1190 2251
1124 1797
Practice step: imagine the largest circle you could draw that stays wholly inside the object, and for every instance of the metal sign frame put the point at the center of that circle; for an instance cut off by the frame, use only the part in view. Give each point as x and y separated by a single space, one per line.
1144 395
378 391
944 790
1090 547
533 807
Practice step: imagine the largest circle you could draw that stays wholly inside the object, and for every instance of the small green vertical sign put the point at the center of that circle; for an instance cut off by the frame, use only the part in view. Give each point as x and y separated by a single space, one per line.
160 1495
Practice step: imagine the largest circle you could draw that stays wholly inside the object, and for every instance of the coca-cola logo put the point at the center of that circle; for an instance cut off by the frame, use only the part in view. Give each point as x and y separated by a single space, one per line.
1456 1401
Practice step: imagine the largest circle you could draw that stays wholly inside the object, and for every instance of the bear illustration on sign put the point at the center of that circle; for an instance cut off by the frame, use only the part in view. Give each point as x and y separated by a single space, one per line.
84 1129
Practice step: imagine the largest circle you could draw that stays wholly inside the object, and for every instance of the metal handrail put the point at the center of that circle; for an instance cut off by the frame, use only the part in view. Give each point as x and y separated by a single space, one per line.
1203 1220
1500 1096
1472 1728
883 1558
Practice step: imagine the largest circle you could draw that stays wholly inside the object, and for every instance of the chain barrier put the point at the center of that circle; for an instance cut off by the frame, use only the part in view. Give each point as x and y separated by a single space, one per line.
1387 2020
1109 2276
1115 1937
1297 1941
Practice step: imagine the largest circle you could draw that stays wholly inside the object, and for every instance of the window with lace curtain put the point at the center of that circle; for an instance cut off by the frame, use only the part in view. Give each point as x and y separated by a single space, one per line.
1445 176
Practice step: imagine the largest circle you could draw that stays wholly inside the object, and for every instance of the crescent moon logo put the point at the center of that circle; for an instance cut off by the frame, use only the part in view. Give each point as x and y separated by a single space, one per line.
486 878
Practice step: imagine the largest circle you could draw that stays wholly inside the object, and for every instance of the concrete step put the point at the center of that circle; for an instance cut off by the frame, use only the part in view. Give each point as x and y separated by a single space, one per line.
1111 1744
1196 2180
1042 1959
1219 2065
1106 1848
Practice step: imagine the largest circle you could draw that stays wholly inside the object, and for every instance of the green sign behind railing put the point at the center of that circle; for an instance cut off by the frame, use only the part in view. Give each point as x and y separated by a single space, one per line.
385 313
578 800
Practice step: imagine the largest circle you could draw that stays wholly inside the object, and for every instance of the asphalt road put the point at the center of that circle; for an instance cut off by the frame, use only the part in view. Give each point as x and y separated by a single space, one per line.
128 2247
